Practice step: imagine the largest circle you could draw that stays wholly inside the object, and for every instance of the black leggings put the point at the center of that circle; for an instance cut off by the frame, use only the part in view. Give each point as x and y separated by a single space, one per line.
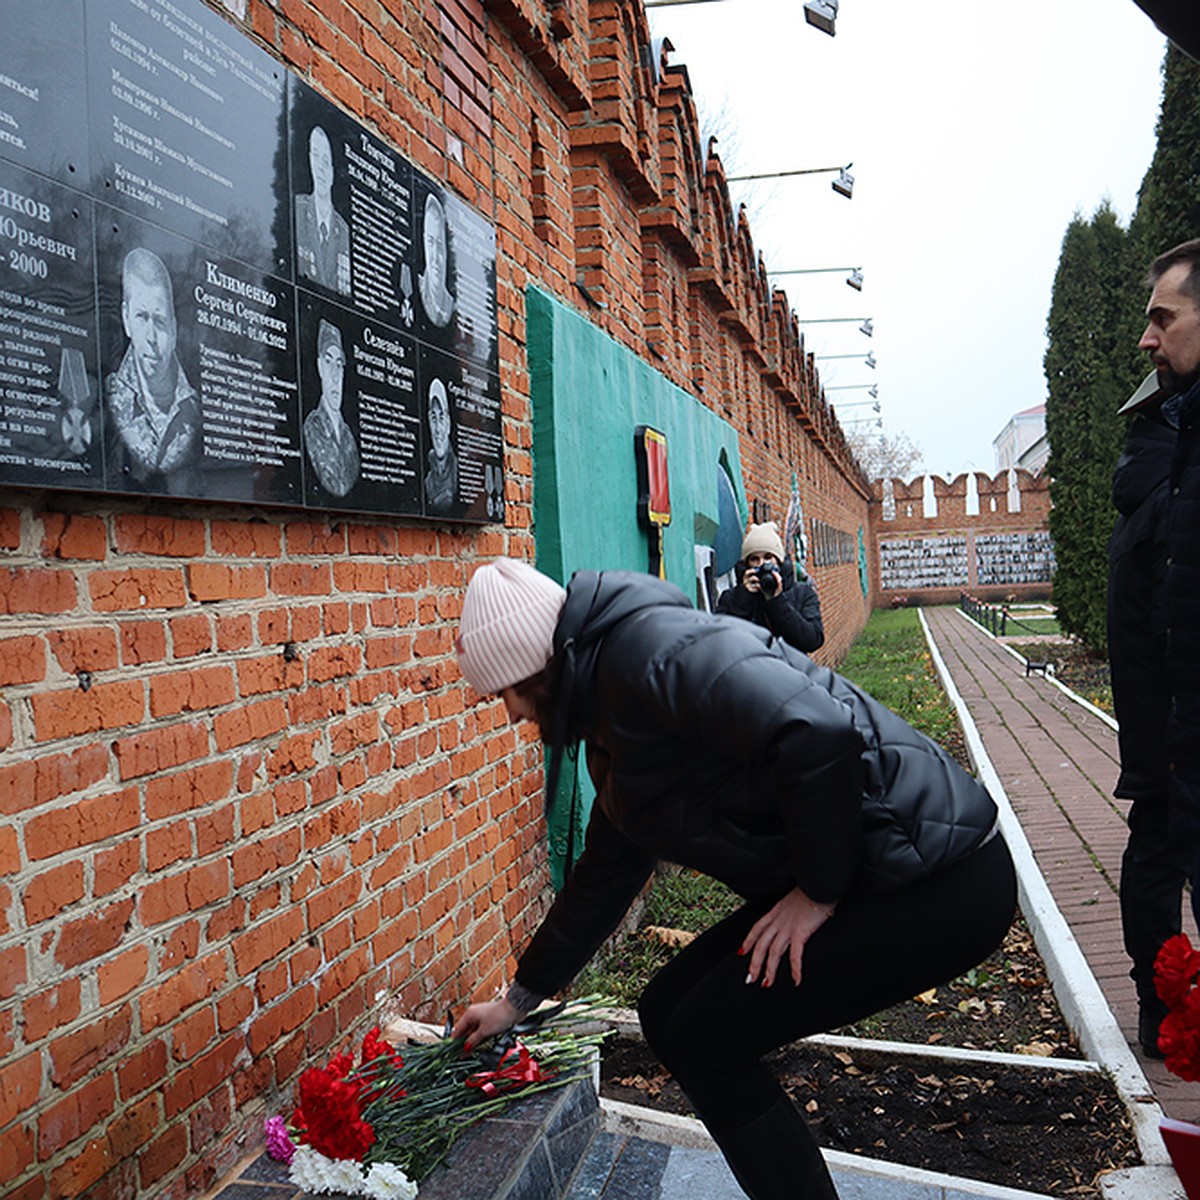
710 1029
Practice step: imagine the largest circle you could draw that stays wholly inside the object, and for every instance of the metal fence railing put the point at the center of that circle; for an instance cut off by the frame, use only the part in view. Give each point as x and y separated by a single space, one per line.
993 617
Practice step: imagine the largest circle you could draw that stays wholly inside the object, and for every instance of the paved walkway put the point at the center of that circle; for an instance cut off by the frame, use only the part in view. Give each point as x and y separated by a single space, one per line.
1057 761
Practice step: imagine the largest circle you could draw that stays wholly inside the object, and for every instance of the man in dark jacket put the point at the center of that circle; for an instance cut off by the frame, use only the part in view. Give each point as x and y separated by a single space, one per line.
769 594
1172 339
869 860
1156 864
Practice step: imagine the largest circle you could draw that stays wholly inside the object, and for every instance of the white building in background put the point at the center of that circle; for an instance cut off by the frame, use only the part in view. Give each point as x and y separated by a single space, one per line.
1022 442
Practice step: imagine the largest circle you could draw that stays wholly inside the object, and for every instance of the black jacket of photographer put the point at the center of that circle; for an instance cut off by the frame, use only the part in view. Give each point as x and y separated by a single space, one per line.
713 745
793 612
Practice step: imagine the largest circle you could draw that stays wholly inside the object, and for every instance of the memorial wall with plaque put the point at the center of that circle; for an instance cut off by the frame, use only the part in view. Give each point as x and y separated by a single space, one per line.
215 284
923 562
1011 558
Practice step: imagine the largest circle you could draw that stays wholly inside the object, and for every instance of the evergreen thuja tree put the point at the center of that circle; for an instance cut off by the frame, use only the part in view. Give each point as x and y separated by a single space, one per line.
1091 367
1168 210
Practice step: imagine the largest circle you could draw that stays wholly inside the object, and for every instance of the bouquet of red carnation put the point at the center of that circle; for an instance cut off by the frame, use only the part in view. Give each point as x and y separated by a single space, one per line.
379 1128
329 1114
1176 975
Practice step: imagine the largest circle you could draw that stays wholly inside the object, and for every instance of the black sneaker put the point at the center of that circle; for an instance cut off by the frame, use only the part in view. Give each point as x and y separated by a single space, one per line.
1148 1035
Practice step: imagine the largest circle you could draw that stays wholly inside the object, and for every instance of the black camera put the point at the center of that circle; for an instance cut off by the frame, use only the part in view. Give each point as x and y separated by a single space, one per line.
768 578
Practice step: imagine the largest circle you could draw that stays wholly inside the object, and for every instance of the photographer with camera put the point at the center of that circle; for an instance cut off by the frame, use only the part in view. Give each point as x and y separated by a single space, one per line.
769 594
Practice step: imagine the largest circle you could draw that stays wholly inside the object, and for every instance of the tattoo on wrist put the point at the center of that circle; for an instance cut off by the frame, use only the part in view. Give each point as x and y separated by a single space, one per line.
522 999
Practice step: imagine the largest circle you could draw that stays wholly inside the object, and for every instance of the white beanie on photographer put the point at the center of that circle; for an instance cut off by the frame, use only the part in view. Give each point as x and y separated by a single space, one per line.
763 539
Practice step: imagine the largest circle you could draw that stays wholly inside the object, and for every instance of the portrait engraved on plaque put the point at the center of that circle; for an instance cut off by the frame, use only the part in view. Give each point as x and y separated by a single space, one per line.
152 406
437 301
322 234
328 439
441 474
462 476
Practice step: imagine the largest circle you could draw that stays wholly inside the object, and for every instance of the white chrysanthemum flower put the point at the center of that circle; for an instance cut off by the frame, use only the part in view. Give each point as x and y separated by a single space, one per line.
315 1173
345 1175
385 1181
305 1170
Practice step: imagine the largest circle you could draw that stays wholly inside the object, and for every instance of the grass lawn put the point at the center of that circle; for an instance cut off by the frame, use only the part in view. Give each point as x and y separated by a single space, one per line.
890 660
1034 622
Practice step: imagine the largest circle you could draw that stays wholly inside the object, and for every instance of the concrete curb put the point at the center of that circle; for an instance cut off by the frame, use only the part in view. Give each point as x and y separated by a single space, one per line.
625 1020
854 1175
1079 996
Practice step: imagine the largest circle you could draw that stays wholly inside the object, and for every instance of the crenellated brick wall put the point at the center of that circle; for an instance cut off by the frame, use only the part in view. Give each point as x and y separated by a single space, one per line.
246 801
1000 551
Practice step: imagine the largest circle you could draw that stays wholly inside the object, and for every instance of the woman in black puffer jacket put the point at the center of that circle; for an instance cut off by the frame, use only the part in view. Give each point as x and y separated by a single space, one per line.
870 862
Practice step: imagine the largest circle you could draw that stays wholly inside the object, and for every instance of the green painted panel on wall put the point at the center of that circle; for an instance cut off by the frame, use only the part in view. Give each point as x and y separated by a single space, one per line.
589 395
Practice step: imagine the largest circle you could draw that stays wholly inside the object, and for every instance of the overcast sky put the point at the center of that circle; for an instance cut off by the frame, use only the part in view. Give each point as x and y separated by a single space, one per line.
976 129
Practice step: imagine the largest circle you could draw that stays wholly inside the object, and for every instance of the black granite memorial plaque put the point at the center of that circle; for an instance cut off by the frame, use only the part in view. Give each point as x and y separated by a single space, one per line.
49 419
199 350
188 126
473 254
215 284
351 210
462 451
42 88
361 418
454 275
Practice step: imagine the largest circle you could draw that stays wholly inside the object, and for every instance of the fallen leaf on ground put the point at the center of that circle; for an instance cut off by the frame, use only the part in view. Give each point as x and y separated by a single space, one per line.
1036 1049
651 1087
669 937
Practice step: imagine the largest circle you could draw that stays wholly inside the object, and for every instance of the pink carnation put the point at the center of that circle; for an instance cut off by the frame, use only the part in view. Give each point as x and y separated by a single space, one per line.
279 1145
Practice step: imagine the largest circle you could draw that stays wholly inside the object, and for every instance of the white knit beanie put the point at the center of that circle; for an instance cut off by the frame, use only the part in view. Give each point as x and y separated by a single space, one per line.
506 632
763 539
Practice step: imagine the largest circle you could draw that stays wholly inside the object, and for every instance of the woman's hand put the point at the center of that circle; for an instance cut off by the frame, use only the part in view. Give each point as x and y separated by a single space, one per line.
482 1021
786 928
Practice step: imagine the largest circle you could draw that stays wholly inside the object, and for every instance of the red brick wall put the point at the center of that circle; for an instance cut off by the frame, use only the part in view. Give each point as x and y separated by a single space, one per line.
242 797
246 801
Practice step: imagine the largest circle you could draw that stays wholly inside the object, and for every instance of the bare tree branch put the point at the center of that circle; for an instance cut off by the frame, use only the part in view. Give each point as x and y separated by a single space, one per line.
883 455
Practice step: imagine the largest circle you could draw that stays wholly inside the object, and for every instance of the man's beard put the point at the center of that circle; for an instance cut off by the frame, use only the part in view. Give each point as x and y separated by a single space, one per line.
1174 384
